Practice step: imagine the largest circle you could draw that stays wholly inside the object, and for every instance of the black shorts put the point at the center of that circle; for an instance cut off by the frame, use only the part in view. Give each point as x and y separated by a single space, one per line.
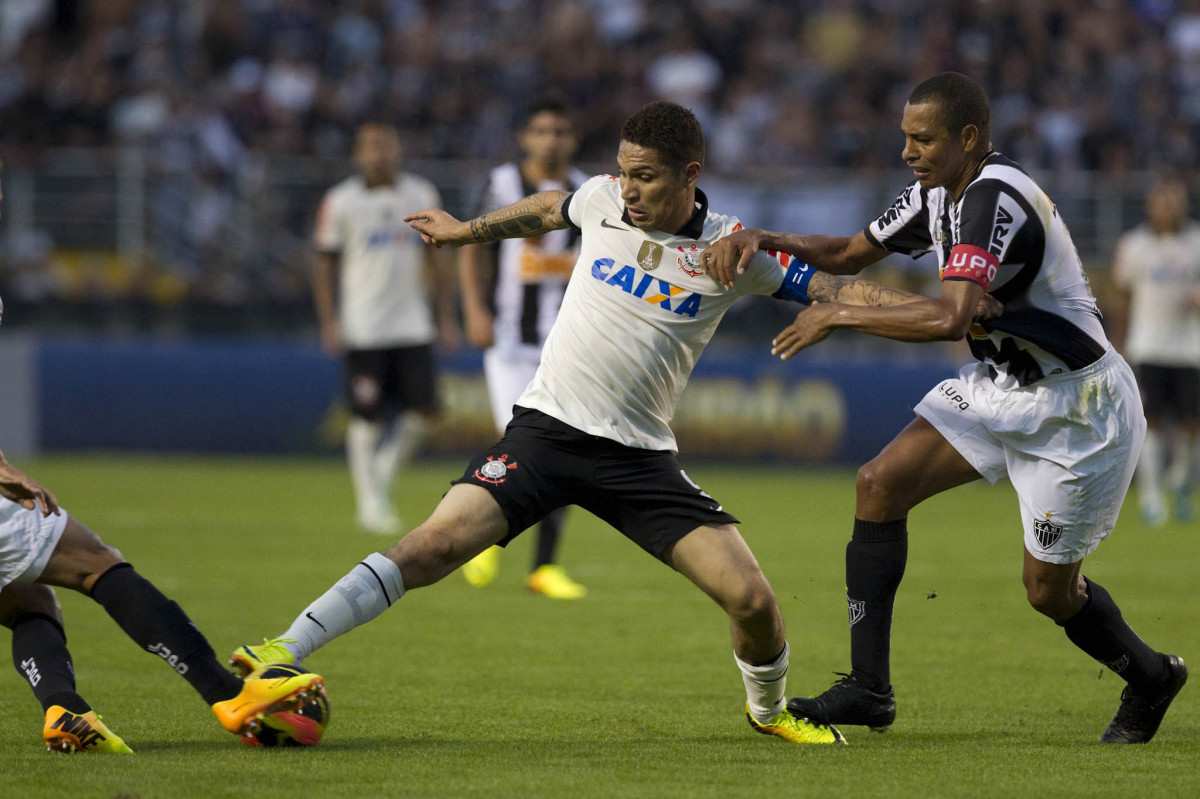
379 382
1169 391
542 464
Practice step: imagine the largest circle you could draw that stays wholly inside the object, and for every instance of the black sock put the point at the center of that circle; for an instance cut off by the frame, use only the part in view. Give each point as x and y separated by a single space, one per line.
1100 630
160 626
39 649
547 540
875 560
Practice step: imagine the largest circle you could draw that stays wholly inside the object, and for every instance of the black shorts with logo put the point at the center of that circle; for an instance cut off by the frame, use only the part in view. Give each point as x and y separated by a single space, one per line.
1169 391
542 464
389 380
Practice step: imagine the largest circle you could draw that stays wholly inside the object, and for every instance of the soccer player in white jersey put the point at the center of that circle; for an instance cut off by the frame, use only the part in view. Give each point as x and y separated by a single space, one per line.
371 285
511 293
41 546
1049 404
1157 273
592 428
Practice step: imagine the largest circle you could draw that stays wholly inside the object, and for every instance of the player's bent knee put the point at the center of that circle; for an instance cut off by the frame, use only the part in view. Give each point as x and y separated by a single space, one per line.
21 599
752 601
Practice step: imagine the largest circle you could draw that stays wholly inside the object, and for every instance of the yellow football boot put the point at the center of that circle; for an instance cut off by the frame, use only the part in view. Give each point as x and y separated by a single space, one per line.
260 697
250 657
80 732
798 731
481 569
552 581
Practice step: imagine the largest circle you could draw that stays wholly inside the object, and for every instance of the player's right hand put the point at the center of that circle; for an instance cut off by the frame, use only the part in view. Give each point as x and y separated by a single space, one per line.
24 490
438 227
728 257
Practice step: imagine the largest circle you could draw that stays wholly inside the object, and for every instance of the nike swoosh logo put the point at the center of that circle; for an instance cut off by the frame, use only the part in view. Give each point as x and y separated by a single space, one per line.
604 223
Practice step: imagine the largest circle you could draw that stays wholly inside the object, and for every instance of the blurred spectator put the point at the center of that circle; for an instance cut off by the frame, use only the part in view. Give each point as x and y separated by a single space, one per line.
214 91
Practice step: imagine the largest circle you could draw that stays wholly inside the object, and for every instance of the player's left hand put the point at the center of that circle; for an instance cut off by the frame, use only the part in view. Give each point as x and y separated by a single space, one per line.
728 257
24 490
988 308
439 228
810 326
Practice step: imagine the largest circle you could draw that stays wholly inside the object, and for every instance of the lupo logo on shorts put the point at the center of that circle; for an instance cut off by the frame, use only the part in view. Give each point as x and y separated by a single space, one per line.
951 393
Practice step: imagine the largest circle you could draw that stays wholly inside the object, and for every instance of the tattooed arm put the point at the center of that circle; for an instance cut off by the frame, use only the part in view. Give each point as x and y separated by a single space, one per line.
534 216
855 291
886 312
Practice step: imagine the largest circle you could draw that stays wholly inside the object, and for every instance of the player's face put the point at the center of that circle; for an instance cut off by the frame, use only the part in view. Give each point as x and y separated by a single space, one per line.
549 138
656 196
1167 206
935 155
377 153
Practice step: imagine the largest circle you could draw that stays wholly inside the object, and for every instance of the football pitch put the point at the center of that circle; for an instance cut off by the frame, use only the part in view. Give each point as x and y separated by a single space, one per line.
632 691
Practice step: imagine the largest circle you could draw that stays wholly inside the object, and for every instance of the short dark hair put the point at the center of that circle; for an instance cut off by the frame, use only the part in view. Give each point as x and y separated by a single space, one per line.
960 101
668 128
552 104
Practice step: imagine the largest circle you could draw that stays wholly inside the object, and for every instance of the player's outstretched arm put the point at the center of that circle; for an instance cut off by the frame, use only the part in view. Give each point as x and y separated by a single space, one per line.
534 216
837 255
23 489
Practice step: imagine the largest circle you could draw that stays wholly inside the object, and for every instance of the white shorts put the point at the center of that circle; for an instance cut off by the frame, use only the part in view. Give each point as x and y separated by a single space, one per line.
1068 443
509 371
27 540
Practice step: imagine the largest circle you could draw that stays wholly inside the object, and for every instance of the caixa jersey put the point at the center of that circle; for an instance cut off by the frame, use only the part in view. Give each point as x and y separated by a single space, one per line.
1005 234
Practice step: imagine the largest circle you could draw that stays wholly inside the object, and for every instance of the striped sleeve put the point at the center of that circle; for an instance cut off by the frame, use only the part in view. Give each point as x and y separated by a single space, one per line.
904 228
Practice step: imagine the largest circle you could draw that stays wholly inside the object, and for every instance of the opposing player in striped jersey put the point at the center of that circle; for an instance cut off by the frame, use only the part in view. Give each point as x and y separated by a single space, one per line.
371 285
592 429
1156 271
511 292
1049 403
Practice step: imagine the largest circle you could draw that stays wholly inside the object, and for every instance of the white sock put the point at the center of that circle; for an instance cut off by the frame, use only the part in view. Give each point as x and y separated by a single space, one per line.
397 444
362 441
1179 475
1149 472
366 591
765 685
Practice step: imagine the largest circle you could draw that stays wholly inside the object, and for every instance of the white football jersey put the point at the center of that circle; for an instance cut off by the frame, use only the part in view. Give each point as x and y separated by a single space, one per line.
532 273
1161 273
637 313
383 299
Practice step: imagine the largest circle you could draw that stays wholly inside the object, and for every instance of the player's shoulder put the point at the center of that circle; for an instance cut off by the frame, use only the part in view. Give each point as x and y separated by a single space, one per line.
718 225
597 198
349 187
999 173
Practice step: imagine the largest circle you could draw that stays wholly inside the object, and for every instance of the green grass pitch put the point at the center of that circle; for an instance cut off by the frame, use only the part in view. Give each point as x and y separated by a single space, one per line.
629 692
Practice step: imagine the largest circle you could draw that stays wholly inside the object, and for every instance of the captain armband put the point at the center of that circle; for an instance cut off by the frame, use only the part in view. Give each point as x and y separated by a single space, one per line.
968 262
795 282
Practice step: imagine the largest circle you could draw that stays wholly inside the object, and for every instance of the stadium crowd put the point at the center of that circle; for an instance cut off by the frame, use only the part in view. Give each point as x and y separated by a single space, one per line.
215 89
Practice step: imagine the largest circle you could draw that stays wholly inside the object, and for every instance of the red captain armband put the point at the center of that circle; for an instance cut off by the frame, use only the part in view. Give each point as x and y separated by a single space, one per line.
971 263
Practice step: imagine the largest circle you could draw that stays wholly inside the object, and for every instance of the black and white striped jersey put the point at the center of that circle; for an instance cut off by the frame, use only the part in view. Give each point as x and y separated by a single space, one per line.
1005 234
531 274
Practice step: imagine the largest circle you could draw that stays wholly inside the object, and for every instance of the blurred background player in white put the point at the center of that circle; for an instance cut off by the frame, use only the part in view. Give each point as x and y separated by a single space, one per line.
371 284
511 293
1156 270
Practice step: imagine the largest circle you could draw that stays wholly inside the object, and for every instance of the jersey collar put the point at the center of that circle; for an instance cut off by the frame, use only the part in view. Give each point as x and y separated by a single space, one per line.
695 225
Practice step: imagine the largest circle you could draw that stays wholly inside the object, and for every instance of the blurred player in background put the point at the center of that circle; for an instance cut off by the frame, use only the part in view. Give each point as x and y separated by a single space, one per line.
511 292
1156 269
371 284
1050 404
592 429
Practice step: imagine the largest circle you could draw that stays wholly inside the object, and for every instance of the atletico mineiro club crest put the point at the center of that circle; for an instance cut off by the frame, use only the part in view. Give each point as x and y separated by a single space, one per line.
496 470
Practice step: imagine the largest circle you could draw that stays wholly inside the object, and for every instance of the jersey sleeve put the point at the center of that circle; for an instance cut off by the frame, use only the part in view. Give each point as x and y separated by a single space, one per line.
990 218
904 228
578 208
329 233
